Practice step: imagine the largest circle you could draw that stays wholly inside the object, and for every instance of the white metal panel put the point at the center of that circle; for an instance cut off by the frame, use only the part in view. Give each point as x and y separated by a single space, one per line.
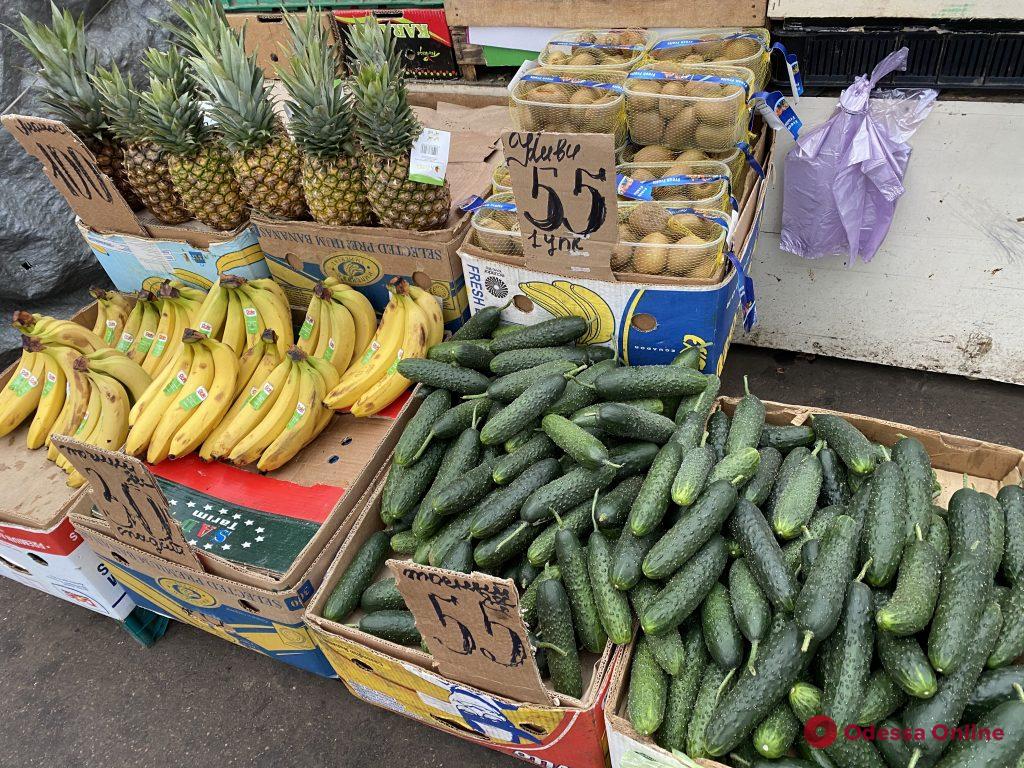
946 290
896 9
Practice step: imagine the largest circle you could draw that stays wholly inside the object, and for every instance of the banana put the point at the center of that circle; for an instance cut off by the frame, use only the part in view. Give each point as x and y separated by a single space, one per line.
392 384
432 308
99 326
251 359
144 339
374 361
25 387
310 330
363 316
254 325
52 331
269 285
598 313
120 367
234 323
163 347
76 399
111 424
212 312
299 429
200 379
192 294
131 325
51 402
158 398
337 343
111 314
211 410
273 309
330 375
87 424
251 447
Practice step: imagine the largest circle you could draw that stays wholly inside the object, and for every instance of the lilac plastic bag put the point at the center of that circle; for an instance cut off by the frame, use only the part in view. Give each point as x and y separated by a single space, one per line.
843 177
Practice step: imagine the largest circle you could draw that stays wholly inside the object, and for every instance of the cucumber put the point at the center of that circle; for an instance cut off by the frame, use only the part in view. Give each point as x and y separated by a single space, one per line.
906 663
512 465
542 549
713 684
764 555
896 754
382 595
481 325
522 411
721 634
522 573
649 381
693 474
633 458
755 695
786 437
579 391
737 467
749 606
1011 498
555 618
882 697
668 649
997 531
682 691
856 451
404 542
1010 645
628 557
521 359
586 417
648 691
455 531
357 577
459 558
565 492
700 523
702 403
504 545
938 537
686 590
966 579
436 404
405 487
805 701
885 524
612 605
690 431
462 354
760 486
834 488
820 602
718 433
395 626
798 498
458 419
994 687
916 466
652 502
572 562
422 554
528 599
624 420
994 753
776 733
463 492
613 507
747 422
910 608
851 650
808 554
498 509
583 447
549 333
691 356
461 456
512 385
461 381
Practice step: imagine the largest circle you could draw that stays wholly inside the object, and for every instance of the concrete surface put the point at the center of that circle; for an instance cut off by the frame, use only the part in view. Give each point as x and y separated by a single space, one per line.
77 690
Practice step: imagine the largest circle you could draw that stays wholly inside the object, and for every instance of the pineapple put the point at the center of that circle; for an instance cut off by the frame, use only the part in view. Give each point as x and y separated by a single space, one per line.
264 157
386 128
321 122
66 63
144 161
199 165
201 23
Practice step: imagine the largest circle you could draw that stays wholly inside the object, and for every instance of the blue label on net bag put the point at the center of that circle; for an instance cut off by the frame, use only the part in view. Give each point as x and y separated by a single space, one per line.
774 108
606 46
644 190
755 166
473 203
796 78
689 77
745 286
686 42
570 81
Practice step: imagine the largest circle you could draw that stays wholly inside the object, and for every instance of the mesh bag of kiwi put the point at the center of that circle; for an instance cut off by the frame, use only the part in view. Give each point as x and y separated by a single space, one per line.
734 160
688 106
750 48
620 49
570 101
658 239
496 225
683 183
501 180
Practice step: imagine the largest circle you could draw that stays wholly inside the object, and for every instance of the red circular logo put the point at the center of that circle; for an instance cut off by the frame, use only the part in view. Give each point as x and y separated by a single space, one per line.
820 731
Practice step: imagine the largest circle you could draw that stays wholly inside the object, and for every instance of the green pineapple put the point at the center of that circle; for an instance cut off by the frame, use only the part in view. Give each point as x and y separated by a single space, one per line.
66 64
264 158
201 23
144 161
387 128
321 122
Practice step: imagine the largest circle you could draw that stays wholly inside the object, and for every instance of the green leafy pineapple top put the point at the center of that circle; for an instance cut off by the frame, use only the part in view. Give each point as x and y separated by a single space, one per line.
201 24
172 120
121 103
169 65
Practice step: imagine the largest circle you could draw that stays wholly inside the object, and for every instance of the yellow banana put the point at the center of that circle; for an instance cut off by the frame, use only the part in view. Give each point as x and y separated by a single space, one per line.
146 335
158 398
51 402
25 387
254 325
162 348
129 373
250 360
234 323
375 359
76 399
111 423
99 326
309 332
111 316
273 309
200 378
363 316
131 325
211 410
432 309
392 383
83 433
298 430
212 312
63 333
338 336
330 375
251 447
598 313
269 285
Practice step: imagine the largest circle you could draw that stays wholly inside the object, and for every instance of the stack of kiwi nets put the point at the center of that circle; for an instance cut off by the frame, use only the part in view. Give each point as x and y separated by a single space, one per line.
655 241
571 105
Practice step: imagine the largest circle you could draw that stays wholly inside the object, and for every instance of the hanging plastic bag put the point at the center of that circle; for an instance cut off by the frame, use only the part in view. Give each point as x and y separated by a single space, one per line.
843 177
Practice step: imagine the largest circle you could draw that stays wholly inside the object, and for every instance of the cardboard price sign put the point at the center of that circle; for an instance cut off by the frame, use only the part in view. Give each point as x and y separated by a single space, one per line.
128 496
564 185
472 625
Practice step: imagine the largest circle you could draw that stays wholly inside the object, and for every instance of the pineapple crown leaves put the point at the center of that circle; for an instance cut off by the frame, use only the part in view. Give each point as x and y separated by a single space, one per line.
320 106
169 65
370 42
201 24
120 102
385 123
172 120
240 100
66 61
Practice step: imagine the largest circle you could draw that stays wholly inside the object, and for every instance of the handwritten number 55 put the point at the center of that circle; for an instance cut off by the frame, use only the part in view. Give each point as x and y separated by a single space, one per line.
556 217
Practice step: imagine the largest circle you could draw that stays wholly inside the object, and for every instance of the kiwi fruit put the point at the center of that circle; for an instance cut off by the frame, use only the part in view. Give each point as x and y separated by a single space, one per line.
583 95
692 154
651 257
557 59
645 86
670 107
654 153
715 137
680 129
721 112
647 218
682 224
622 254
582 59
642 174
735 50
646 127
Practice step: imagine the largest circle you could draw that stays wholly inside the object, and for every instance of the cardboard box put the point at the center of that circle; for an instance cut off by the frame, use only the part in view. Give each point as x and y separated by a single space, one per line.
988 467
600 14
267 36
537 728
422 36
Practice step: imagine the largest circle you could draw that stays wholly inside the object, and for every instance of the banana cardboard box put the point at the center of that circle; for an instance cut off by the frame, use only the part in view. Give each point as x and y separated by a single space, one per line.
470 687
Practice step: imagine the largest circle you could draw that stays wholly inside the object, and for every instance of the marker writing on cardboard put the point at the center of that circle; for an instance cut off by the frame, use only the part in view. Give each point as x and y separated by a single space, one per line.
79 174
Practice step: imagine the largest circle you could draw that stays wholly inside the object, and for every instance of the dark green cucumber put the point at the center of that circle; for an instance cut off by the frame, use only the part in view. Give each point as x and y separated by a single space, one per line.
690 431
834 488
712 688
686 590
693 475
396 626
522 411
435 405
498 509
885 524
737 467
504 545
565 492
747 422
808 554
938 537
764 555
966 580
906 663
856 451
756 694
916 465
910 608
422 554
381 596
1010 645
852 647
357 577
459 558
586 417
882 697
459 418
652 502
749 606
786 437
820 602
668 649
572 562
992 753
521 359
404 542
481 325
612 507
648 691
522 573
555 619
455 531
462 354
695 528
805 701
582 446
721 634
994 687
579 391
701 403
1011 498
718 433
860 501
757 490
628 557
461 456
649 381
896 754
633 458
624 420
997 531
512 385
462 381
512 465
682 691
798 499
405 487
542 549
774 735
548 333
528 599
463 492
612 605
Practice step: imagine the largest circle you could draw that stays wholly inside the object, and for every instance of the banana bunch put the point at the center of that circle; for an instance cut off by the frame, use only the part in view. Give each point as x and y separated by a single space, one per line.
178 306
112 311
185 402
61 333
410 325
139 329
339 325
563 298
278 411
237 311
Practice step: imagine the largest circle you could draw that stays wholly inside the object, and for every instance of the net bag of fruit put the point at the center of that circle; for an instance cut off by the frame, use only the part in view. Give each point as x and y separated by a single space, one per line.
570 101
748 48
658 239
686 183
620 49
495 224
844 177
735 159
501 181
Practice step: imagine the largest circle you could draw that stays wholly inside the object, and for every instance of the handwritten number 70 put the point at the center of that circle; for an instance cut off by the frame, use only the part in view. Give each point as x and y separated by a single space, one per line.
556 217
